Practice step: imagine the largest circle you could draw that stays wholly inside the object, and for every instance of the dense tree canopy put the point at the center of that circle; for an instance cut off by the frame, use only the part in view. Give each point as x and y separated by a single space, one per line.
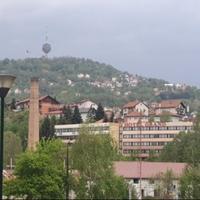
184 148
39 174
12 148
190 183
47 127
96 178
17 123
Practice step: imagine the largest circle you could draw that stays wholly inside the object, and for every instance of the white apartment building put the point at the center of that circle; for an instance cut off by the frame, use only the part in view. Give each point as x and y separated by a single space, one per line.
69 132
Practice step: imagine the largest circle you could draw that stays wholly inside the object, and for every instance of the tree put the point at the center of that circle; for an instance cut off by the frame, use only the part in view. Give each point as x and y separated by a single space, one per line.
96 178
190 183
45 129
53 122
164 185
91 115
13 148
17 123
152 156
76 118
184 148
99 112
67 114
39 174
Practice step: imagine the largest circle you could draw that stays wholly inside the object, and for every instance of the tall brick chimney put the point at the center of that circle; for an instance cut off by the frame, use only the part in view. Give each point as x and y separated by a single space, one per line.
33 132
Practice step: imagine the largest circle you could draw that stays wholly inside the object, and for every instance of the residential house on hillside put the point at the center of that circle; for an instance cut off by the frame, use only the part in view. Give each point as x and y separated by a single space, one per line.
84 106
46 104
136 106
172 106
144 177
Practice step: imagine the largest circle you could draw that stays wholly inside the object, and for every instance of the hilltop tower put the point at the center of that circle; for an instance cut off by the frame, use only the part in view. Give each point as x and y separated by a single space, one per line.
33 132
46 47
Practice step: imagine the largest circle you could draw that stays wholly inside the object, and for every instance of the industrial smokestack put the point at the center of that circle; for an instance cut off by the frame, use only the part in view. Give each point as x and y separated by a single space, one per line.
33 132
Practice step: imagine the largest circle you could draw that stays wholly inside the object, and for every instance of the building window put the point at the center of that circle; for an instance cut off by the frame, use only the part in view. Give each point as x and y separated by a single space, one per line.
136 180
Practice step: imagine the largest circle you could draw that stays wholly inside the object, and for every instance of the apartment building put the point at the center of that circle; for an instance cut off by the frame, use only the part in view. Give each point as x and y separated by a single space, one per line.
69 132
142 138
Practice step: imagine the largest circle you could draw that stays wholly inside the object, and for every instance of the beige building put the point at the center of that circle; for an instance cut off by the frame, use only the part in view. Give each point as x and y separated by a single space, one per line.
172 106
69 132
135 106
143 177
142 138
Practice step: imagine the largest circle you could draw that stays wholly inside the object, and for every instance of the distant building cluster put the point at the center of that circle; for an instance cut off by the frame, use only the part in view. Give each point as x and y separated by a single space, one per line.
138 128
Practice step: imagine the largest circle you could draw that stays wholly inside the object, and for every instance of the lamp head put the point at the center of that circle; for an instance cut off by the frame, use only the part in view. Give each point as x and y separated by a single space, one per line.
6 82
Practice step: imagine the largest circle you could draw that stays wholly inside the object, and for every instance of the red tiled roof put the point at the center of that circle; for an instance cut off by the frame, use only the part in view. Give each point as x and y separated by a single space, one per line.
131 104
131 169
173 103
40 99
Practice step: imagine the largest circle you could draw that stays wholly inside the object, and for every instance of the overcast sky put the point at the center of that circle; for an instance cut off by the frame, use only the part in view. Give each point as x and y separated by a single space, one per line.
154 38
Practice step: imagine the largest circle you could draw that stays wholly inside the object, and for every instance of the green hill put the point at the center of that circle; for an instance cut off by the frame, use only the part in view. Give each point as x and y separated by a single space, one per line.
72 79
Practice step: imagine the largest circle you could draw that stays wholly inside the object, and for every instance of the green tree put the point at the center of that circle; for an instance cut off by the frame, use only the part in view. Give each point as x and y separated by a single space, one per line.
53 122
152 155
18 124
67 114
45 129
39 174
12 147
96 178
190 183
164 185
91 115
184 148
99 112
76 118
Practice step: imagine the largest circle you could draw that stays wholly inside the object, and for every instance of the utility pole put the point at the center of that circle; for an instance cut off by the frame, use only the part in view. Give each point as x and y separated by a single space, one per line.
140 128
67 173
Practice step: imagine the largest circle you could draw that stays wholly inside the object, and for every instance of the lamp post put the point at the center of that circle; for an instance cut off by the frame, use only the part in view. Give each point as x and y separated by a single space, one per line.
6 82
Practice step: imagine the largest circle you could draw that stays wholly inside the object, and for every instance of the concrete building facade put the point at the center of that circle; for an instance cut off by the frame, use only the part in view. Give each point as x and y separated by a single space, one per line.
140 139
69 132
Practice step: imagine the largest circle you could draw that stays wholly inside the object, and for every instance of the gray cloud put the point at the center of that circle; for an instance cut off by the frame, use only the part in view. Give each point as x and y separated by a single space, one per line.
148 37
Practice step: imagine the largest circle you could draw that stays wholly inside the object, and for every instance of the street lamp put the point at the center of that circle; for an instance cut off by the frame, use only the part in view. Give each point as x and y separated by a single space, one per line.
6 82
